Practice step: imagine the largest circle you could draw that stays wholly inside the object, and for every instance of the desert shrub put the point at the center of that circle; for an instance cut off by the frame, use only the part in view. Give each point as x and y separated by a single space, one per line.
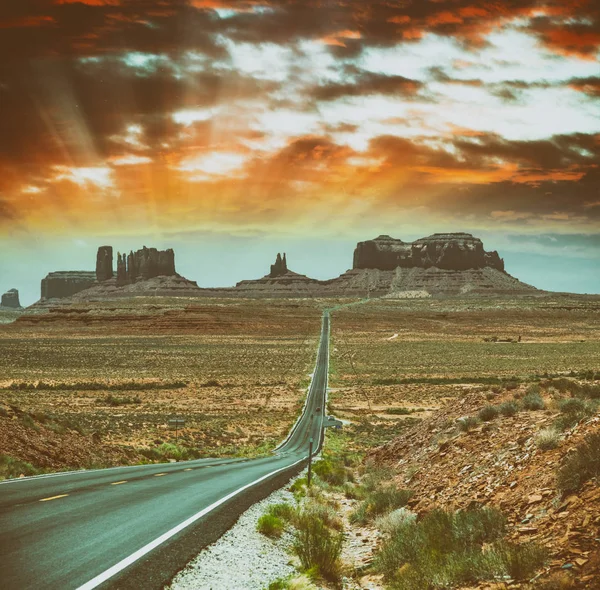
114 401
580 466
317 546
488 413
467 423
573 410
270 526
11 467
533 401
441 550
167 451
399 411
509 408
534 389
332 472
282 510
556 581
590 391
353 491
521 561
511 385
388 523
380 501
298 488
547 439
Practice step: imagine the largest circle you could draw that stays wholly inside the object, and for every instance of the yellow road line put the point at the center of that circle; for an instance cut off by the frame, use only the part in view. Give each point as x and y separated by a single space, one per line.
118 483
188 469
159 474
54 498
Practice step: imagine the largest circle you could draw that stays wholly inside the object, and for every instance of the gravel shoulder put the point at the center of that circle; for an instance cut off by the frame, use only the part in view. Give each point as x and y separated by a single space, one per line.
242 559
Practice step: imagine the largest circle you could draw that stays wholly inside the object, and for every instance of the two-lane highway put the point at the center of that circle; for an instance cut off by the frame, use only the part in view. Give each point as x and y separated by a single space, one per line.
89 528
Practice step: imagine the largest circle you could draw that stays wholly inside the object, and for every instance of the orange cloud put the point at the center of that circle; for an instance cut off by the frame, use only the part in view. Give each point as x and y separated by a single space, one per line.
27 21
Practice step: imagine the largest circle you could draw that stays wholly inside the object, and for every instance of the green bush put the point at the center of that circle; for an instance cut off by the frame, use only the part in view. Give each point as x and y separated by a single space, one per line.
521 561
379 501
509 408
317 546
11 467
573 410
332 472
547 439
282 510
580 466
270 526
446 549
467 423
533 401
298 488
488 413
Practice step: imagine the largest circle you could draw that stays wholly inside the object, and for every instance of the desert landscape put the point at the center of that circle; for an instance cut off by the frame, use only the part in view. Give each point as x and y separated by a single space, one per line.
97 385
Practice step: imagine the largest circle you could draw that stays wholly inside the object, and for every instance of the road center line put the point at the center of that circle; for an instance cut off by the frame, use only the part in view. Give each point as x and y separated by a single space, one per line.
115 569
54 498
118 483
188 469
159 474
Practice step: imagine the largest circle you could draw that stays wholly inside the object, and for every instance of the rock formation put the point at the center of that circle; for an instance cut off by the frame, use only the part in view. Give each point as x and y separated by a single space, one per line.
453 251
11 299
66 283
104 263
280 267
145 264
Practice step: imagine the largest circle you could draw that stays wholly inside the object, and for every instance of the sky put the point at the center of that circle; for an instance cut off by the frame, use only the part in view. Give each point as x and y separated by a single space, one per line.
234 129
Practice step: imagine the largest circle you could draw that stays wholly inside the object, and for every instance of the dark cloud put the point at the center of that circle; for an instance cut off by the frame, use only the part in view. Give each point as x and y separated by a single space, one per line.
366 83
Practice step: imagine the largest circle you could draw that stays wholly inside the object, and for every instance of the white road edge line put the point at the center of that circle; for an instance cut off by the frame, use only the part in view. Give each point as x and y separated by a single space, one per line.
115 569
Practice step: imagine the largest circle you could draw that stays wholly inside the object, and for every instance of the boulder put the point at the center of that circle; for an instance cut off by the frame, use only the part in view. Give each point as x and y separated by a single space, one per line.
11 299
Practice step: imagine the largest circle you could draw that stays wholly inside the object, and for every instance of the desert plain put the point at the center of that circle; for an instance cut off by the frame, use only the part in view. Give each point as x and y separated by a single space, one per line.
95 384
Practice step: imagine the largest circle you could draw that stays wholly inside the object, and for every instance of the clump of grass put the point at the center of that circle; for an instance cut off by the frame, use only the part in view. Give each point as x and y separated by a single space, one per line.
298 488
488 413
167 451
581 465
388 523
521 561
446 549
270 525
467 423
573 410
317 546
399 411
533 400
509 408
379 501
11 467
547 439
282 510
114 401
332 472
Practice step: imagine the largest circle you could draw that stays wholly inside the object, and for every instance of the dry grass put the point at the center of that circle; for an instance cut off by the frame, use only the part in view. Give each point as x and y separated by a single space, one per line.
238 376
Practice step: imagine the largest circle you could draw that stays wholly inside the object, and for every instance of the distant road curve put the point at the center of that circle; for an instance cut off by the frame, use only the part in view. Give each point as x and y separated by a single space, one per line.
135 527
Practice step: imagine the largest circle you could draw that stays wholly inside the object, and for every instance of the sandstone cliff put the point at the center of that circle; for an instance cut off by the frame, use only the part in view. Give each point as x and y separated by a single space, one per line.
10 299
452 251
66 283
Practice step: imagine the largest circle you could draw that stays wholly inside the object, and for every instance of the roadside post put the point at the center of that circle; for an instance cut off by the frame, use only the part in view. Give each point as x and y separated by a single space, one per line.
310 447
176 424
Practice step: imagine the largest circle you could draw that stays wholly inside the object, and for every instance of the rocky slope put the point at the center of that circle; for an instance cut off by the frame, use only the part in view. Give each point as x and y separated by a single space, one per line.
500 463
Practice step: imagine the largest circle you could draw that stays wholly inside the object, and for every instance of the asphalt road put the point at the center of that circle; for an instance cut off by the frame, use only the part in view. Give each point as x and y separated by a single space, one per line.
135 527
